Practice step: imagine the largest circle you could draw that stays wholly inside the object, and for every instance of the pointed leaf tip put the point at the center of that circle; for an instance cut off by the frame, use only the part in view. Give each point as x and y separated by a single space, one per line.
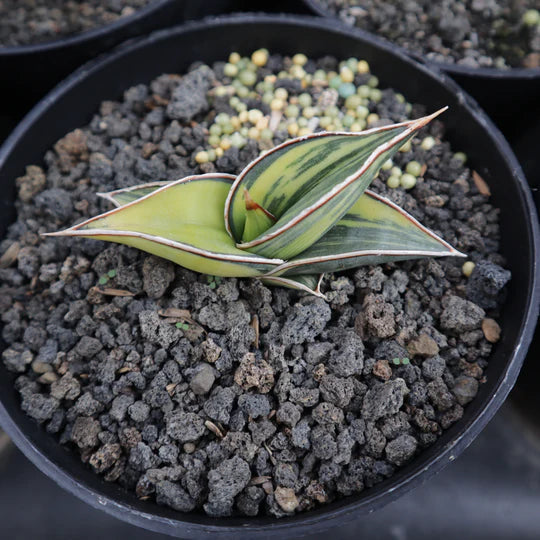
310 283
168 222
374 231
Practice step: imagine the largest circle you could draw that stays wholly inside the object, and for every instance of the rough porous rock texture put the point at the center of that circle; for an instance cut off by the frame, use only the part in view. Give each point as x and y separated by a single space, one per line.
475 33
34 21
194 415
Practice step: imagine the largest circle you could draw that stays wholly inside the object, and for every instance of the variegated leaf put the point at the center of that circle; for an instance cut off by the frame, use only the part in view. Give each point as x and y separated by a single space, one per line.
374 231
181 221
310 183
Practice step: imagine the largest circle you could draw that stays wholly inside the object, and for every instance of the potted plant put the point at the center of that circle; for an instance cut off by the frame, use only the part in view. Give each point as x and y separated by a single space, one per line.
227 403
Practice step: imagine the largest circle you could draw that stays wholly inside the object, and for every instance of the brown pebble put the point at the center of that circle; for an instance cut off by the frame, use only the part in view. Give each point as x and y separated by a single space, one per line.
437 201
471 369
189 448
124 369
423 345
254 373
41 367
116 471
376 319
382 369
63 368
105 457
129 437
492 330
211 350
316 491
31 183
71 150
286 498
268 488
319 371
94 296
258 480
148 149
48 378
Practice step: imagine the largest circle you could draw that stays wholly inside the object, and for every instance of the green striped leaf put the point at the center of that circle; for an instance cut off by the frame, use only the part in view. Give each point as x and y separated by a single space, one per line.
309 283
181 221
374 231
310 183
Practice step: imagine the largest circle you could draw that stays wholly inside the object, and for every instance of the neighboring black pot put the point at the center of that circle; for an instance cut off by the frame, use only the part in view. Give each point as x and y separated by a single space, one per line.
511 97
29 71
73 103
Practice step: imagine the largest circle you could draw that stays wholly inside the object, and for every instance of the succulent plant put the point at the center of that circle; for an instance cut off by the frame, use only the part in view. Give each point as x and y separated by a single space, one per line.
296 212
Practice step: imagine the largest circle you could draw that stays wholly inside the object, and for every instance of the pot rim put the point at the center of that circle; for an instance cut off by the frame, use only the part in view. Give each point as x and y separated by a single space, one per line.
81 38
452 68
196 524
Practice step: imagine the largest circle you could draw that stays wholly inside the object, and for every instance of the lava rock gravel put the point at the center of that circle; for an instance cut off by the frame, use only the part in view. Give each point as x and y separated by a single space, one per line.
473 33
224 395
24 22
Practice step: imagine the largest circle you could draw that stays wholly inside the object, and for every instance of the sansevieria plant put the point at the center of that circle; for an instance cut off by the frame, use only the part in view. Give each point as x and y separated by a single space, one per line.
296 212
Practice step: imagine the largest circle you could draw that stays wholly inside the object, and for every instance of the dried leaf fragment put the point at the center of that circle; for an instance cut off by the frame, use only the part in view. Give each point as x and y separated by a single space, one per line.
255 325
124 369
214 429
107 291
175 313
481 184
10 255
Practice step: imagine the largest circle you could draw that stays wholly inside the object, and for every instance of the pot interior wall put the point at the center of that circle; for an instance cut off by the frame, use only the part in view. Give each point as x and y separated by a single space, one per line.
173 51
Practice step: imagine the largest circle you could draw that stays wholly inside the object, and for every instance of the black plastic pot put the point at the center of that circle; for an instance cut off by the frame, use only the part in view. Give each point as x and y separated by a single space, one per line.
29 71
72 104
511 97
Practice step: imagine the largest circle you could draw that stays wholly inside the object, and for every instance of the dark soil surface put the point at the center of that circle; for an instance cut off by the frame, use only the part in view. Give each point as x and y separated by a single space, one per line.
201 410
35 21
475 33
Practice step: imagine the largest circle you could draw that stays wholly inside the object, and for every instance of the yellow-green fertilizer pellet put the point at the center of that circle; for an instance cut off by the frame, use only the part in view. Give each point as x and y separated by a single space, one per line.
467 268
